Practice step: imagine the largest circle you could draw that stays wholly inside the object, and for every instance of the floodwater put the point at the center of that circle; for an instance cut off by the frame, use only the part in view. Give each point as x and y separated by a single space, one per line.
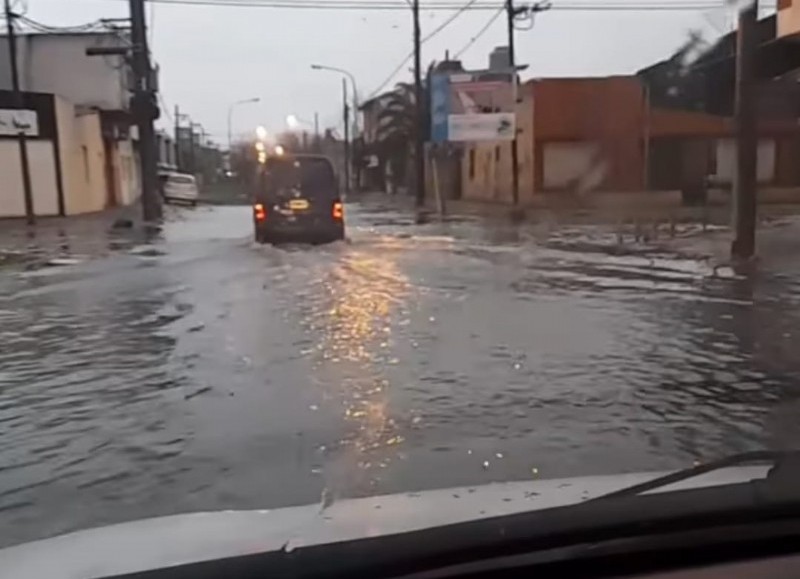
200 371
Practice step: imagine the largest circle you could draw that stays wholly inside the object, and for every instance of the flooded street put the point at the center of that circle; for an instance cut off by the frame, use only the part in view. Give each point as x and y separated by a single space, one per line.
204 372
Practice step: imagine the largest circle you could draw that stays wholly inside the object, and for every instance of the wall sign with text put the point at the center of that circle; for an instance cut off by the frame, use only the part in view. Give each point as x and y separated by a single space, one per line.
16 121
473 106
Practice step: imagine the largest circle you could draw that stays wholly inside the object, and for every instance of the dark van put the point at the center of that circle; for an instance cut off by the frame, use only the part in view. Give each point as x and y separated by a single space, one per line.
297 199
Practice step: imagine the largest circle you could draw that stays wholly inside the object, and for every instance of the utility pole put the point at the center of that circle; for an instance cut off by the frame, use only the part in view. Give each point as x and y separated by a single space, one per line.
513 64
144 110
177 136
19 102
419 137
192 154
346 137
744 202
316 132
201 156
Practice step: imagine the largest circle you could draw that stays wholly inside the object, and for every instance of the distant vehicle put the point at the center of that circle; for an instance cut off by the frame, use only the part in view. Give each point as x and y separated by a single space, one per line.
297 199
178 187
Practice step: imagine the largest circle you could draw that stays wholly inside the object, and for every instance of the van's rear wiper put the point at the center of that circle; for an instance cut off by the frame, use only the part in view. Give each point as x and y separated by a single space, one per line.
783 462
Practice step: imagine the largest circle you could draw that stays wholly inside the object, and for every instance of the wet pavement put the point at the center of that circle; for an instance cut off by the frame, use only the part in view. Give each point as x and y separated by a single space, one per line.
201 371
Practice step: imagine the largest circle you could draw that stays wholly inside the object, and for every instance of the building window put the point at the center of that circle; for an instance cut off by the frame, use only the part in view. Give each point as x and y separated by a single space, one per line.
472 163
497 154
85 152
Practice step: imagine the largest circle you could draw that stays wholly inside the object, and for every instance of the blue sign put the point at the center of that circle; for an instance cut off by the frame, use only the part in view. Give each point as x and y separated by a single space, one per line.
440 107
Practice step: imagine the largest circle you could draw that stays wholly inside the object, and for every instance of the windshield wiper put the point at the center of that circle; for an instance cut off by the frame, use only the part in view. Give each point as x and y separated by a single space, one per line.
784 462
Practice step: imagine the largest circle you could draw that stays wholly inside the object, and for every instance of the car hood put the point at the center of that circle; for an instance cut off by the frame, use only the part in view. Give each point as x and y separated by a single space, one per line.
179 539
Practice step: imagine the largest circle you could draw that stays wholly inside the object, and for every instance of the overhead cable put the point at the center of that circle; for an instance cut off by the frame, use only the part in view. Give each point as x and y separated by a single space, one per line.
481 32
573 5
424 39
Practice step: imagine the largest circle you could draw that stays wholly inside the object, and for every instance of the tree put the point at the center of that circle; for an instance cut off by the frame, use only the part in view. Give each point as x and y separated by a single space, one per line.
397 127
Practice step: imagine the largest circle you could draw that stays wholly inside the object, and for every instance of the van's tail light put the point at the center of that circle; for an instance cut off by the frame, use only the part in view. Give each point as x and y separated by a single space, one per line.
260 212
338 210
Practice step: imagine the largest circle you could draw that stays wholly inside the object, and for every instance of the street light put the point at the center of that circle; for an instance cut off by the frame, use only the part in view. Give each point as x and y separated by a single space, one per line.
230 115
348 162
293 121
262 133
352 78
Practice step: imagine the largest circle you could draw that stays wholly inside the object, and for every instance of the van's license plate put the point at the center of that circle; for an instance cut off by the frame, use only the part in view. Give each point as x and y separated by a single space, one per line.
298 204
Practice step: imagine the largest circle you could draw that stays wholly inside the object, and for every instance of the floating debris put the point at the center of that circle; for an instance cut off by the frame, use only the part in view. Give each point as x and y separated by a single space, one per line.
63 261
122 223
197 393
146 251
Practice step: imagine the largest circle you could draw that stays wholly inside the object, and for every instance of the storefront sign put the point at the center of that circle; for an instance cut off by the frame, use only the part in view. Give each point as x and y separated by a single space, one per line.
16 121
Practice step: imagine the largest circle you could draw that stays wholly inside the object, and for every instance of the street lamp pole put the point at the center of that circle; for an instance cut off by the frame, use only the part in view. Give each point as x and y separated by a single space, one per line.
230 117
348 151
352 78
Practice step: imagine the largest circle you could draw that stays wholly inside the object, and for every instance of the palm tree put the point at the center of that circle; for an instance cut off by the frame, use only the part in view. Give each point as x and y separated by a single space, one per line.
397 127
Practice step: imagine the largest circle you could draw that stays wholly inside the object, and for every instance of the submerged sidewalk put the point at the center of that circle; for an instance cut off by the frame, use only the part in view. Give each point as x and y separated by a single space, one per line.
93 234
703 232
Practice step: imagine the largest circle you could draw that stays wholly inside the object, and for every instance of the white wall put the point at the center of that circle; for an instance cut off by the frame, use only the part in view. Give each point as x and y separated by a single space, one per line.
126 167
82 159
572 164
41 159
65 125
12 202
57 63
726 161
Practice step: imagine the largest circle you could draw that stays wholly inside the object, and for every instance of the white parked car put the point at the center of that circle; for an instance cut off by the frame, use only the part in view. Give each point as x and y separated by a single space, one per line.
178 187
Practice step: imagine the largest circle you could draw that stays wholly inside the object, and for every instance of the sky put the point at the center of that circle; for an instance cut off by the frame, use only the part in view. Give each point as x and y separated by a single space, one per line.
211 56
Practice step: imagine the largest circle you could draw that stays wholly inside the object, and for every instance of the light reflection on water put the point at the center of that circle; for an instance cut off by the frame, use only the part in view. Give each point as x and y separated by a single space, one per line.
364 292
215 374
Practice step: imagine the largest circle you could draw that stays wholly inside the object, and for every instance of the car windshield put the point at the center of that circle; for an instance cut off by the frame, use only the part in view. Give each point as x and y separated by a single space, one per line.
258 254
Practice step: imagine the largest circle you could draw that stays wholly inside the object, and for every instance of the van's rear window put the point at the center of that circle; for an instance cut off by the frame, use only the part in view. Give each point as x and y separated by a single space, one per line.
181 179
310 175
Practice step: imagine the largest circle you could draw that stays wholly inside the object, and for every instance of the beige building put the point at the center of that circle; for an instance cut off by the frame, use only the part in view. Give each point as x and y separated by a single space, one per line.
486 168
83 154
73 168
788 18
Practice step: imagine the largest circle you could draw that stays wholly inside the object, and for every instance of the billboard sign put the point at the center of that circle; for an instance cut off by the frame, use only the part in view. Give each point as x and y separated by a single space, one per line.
473 106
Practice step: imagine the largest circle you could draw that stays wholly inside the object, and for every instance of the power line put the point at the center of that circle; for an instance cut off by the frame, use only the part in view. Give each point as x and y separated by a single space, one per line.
685 5
165 108
425 38
581 5
33 25
481 32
